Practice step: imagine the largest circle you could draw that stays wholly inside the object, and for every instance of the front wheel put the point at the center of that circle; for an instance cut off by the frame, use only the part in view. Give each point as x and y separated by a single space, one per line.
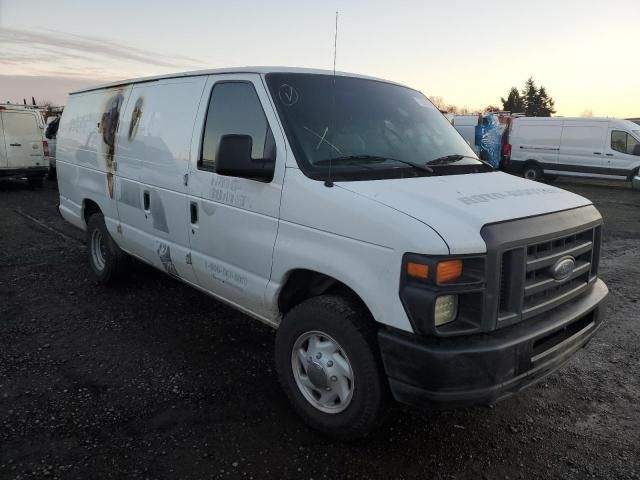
107 260
328 364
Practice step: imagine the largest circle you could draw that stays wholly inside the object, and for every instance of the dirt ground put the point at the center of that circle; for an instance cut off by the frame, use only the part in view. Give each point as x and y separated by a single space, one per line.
156 380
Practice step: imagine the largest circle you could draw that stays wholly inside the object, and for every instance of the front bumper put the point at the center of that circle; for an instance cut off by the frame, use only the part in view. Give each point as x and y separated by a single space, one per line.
485 368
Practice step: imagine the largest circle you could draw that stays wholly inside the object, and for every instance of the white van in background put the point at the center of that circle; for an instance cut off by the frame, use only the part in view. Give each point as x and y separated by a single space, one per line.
389 258
23 151
466 126
587 147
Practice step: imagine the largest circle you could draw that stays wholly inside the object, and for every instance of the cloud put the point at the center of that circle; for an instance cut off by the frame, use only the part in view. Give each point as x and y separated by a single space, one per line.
45 49
52 88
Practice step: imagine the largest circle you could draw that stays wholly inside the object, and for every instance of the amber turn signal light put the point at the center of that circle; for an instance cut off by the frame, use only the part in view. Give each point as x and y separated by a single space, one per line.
449 271
418 270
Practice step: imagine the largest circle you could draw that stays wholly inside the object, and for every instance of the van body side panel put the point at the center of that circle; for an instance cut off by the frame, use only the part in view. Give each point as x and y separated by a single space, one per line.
86 151
532 140
349 237
233 238
581 146
154 141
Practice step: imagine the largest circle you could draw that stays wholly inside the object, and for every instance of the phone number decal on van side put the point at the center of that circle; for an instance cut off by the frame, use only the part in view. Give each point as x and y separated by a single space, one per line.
485 197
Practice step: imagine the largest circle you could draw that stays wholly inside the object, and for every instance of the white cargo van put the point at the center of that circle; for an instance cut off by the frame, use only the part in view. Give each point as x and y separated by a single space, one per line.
587 147
23 150
347 213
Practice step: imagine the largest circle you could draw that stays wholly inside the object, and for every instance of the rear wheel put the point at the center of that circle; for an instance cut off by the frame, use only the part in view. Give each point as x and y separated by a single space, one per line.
328 364
532 171
107 260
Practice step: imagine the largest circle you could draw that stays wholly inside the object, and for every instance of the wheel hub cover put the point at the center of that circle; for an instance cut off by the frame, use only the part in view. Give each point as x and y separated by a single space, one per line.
317 374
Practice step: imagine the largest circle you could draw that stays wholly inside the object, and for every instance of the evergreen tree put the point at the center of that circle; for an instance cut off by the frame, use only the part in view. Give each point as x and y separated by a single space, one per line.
513 103
530 98
546 102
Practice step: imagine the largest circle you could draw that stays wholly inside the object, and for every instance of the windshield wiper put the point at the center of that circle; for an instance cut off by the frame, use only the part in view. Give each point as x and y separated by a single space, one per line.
448 159
373 158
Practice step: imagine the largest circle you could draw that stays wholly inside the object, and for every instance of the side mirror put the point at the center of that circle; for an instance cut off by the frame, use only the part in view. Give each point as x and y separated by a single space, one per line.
234 159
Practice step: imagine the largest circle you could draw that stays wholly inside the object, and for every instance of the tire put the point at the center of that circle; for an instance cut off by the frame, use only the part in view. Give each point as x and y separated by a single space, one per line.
532 171
107 260
348 325
36 182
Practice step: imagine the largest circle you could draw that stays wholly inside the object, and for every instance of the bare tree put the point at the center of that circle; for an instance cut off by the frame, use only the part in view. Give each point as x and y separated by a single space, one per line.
438 102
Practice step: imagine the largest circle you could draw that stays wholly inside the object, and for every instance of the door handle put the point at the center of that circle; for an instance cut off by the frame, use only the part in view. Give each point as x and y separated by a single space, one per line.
597 153
146 200
609 154
15 144
193 208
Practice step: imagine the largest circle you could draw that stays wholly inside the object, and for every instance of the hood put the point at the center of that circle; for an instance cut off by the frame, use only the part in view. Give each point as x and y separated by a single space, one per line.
458 206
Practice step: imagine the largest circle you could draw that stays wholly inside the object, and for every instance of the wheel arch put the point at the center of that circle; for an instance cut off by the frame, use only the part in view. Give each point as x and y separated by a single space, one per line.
301 284
89 207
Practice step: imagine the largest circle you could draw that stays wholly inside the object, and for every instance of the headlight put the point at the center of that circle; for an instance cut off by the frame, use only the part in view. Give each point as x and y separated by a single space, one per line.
446 309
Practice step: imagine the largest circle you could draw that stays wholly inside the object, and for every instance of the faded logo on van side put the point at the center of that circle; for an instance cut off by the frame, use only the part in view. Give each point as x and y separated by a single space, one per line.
485 197
164 254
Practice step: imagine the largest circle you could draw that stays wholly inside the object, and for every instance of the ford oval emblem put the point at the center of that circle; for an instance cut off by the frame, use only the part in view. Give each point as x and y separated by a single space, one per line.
563 268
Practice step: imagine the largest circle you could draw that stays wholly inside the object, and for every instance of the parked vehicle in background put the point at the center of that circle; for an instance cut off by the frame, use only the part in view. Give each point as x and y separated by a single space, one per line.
51 133
585 147
466 126
23 151
634 120
389 258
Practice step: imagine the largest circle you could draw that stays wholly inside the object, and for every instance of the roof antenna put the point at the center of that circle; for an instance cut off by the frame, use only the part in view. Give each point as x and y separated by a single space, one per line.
328 182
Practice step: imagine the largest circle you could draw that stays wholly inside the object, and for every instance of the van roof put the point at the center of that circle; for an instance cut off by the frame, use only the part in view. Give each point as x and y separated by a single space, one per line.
218 71
616 121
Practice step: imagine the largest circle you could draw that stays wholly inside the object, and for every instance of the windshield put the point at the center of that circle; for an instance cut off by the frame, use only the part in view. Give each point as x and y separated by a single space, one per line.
365 129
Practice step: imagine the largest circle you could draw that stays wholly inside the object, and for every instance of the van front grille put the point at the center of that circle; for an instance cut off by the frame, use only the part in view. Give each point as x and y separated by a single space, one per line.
528 287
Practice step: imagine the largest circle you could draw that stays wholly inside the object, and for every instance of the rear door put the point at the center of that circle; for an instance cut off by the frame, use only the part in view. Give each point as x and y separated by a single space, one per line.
23 139
581 149
154 140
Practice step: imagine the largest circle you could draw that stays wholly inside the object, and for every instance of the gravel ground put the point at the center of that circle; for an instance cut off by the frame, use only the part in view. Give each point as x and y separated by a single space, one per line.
156 380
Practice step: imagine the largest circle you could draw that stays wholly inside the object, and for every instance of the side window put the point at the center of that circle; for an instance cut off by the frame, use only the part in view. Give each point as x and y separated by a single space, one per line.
619 141
234 109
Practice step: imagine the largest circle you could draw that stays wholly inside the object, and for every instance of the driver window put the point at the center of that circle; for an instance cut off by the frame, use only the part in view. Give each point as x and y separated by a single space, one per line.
234 108
624 143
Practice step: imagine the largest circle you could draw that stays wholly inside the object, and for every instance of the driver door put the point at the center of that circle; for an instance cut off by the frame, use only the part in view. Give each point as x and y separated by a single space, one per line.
234 221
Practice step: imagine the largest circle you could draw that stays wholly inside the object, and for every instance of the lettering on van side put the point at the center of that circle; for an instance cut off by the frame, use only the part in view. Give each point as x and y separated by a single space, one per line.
227 190
485 197
225 275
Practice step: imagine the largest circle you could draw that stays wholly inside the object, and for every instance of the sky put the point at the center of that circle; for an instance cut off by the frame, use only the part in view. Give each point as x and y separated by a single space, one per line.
469 52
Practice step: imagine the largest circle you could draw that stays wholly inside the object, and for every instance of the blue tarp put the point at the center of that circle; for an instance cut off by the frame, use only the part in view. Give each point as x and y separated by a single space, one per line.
489 139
